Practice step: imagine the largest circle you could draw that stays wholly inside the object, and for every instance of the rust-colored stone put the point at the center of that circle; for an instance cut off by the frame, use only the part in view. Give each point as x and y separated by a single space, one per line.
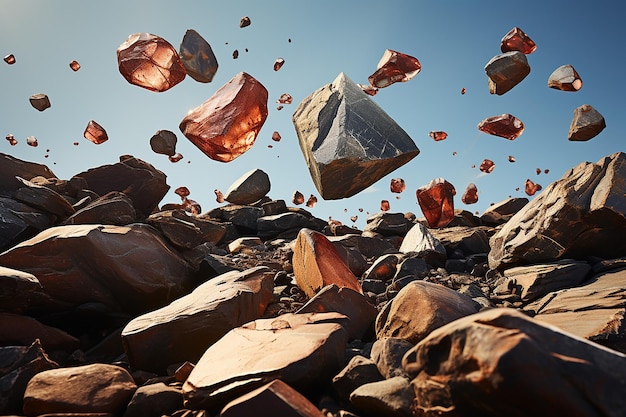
517 40
470 196
487 166
95 133
75 66
436 199
394 67
285 98
505 126
312 201
384 205
565 78
530 187
438 135
278 64
245 21
397 185
297 198
10 59
226 125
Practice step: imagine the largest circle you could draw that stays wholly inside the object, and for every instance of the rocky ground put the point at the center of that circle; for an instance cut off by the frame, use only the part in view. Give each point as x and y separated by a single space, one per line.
110 306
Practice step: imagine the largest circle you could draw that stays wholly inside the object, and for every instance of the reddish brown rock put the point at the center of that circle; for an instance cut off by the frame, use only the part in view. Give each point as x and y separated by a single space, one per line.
311 201
164 142
18 290
436 199
438 135
74 65
505 71
317 264
245 21
517 40
421 307
43 198
95 133
389 397
9 59
394 67
303 350
39 101
187 327
487 166
150 61
272 399
384 205
154 399
97 388
11 167
477 365
586 124
397 185
112 208
18 330
565 78
198 57
505 125
470 196
501 212
278 64
297 198
226 125
185 230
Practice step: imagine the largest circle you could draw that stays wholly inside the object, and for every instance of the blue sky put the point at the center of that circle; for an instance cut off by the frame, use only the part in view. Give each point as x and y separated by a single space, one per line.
452 39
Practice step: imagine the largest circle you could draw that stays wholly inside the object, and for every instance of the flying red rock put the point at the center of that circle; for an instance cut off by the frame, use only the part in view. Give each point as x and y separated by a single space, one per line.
297 198
219 197
512 158
353 219
531 188
278 64
384 205
517 40
394 67
182 192
487 166
11 139
368 89
10 59
32 141
397 185
276 136
470 196
75 66
438 135
95 133
505 126
245 21
285 98
312 201
436 199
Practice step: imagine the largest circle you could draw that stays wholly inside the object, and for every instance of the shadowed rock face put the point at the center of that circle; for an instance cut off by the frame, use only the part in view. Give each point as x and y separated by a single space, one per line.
348 142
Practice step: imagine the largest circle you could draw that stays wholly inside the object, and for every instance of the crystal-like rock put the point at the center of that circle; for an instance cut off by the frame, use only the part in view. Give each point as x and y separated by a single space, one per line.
226 125
565 78
505 71
505 126
397 185
348 141
438 135
10 59
31 141
586 124
394 67
285 98
164 142
150 61
517 40
278 64
470 196
384 205
11 139
219 196
368 89
531 188
245 21
487 166
436 199
182 192
276 136
176 157
39 101
297 198
312 201
512 158
75 66
197 57
95 133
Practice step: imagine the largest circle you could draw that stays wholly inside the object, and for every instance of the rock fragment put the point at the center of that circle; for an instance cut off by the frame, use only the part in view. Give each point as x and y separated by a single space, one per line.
505 126
436 199
197 57
586 124
531 188
39 101
517 40
95 133
505 71
487 166
565 78
394 67
9 59
438 135
164 142
470 196
244 22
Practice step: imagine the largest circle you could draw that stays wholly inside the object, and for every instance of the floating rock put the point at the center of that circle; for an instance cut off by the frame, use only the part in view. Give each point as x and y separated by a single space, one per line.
390 397
586 124
303 350
565 78
505 71
9 59
245 21
11 167
114 208
394 67
226 125
474 365
97 388
421 307
501 212
249 188
150 61
580 215
317 264
39 101
531 188
487 166
505 126
198 57
187 327
517 40
74 65
470 196
348 142
438 135
436 199
95 133
278 64
164 142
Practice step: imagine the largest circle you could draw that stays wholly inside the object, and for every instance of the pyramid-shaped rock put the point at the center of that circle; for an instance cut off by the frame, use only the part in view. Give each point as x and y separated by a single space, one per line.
347 140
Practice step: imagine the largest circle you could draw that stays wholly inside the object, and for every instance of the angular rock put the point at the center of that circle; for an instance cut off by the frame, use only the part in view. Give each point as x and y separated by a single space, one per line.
249 188
383 268
303 350
245 218
185 230
184 329
470 196
97 388
164 142
151 62
11 167
18 365
246 244
348 142
43 198
586 124
226 125
467 240
394 67
114 208
531 188
420 239
316 264
565 78
359 371
487 166
537 280
505 126
198 57
505 71
517 40
582 214
21 221
421 307
501 212
18 330
275 398
39 101
103 264
388 224
348 302
391 397
278 224
478 365
18 290
154 400
141 182
95 133
387 354
436 199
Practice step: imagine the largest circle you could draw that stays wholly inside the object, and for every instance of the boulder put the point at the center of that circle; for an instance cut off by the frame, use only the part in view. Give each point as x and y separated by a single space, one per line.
391 397
154 400
18 290
19 330
347 140
21 221
11 168
501 212
114 208
43 198
185 230
249 188
359 371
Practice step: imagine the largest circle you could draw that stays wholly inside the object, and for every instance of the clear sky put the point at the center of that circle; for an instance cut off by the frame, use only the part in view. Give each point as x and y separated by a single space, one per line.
452 39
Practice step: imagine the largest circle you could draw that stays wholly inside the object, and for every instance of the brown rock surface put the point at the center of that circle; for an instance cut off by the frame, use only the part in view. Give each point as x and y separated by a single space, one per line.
18 330
506 70
185 230
249 188
11 167
114 208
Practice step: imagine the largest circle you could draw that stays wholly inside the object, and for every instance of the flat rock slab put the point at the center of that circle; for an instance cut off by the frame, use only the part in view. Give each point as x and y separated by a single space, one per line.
184 329
11 167
303 350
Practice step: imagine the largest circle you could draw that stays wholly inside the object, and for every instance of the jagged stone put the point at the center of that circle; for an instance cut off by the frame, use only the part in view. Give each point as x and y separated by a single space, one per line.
586 124
11 167
198 57
249 188
185 230
348 142
501 212
43 198
467 240
21 221
506 70
420 239
114 208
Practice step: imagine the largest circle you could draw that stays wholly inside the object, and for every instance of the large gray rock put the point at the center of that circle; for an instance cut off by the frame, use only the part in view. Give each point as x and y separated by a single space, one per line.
582 214
249 188
184 329
347 140
500 362
506 70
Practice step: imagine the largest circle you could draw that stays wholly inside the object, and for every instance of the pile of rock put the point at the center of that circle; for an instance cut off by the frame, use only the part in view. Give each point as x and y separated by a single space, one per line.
112 306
